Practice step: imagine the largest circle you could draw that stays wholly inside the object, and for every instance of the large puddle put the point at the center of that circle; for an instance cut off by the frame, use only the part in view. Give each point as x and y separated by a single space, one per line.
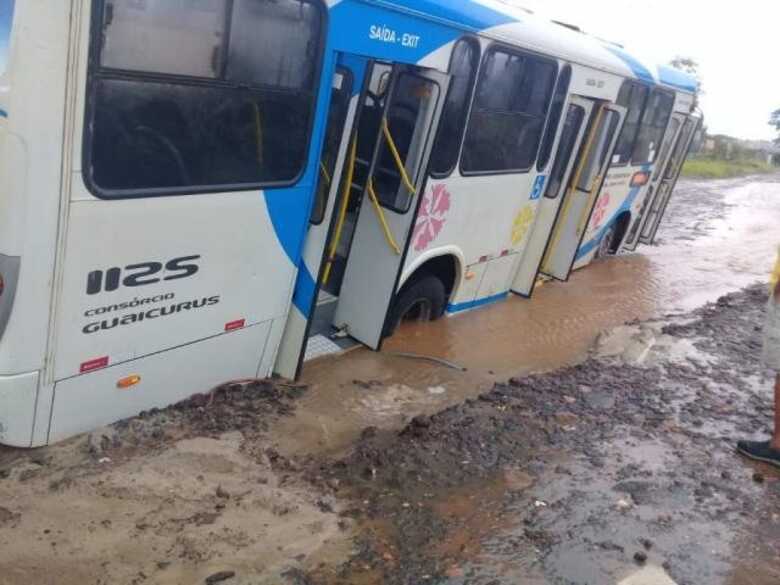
717 237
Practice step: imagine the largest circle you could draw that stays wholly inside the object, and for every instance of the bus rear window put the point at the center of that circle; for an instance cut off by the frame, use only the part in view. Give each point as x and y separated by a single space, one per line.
6 21
201 95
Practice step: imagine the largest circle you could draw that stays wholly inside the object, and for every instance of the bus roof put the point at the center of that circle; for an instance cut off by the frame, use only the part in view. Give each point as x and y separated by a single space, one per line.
518 26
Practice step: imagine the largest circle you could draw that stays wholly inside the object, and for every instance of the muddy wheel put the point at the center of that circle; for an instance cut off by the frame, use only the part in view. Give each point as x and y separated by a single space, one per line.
422 300
605 245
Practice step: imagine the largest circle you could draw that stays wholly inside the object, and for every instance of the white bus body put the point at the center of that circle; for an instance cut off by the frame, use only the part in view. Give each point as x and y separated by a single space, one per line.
184 189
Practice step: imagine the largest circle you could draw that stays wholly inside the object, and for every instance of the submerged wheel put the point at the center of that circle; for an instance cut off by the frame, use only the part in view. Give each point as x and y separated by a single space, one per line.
423 300
606 243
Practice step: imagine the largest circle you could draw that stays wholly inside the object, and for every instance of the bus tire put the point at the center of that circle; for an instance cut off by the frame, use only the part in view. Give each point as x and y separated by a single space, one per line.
605 244
423 299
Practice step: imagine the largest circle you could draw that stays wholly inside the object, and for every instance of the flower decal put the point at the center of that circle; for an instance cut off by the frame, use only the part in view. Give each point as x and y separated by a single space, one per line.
600 212
432 217
522 224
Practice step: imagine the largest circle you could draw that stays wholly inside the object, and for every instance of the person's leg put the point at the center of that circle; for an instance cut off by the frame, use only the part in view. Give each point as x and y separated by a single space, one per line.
766 451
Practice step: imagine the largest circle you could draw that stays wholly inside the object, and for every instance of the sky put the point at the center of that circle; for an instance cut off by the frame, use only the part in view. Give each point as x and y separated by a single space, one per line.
736 48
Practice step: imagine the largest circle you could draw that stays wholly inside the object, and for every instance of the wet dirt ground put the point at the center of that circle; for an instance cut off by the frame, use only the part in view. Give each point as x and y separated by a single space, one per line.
717 237
612 462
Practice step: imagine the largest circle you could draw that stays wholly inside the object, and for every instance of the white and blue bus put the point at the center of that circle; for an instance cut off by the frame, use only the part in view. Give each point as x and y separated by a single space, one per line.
201 190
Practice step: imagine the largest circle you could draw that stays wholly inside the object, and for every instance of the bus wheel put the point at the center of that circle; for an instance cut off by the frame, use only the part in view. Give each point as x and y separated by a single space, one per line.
421 300
605 245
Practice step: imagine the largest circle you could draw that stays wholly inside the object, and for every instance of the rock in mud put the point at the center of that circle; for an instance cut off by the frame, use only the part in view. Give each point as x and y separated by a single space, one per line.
103 440
640 557
220 577
8 518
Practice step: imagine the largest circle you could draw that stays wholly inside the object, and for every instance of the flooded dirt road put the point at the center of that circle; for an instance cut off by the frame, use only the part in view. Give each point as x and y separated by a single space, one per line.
717 237
612 464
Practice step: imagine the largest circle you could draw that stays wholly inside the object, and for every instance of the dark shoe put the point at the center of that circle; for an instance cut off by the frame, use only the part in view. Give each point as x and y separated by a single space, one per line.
763 452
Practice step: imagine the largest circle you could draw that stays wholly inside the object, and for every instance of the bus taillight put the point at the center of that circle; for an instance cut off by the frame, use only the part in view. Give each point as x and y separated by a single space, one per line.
2 285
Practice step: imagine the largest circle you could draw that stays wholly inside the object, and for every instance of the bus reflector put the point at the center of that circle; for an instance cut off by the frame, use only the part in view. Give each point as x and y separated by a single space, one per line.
233 325
640 179
128 382
2 285
95 364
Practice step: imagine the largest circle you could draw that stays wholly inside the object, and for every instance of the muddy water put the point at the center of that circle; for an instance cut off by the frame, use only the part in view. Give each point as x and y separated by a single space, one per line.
717 237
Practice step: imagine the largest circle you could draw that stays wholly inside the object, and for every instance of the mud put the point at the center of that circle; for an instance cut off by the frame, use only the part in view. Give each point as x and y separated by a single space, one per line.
190 494
581 475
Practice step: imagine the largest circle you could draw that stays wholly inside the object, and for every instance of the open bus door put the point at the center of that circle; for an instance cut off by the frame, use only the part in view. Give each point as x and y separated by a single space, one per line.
586 178
344 110
397 174
572 133
374 160
667 178
633 239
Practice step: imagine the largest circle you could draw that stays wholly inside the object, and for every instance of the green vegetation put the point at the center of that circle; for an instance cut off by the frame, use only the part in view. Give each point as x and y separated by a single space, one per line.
709 168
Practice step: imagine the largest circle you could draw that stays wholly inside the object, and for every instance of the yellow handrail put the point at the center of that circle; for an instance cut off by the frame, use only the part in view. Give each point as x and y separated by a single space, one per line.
399 163
342 212
372 196
382 219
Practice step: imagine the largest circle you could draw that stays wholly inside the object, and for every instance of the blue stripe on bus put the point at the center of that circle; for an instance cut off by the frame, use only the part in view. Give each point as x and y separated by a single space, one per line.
678 79
639 70
305 288
591 245
3 114
460 307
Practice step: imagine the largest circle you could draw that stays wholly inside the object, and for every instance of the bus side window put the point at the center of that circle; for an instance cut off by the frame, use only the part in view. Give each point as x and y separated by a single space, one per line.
559 98
634 97
231 108
463 68
408 119
654 123
511 105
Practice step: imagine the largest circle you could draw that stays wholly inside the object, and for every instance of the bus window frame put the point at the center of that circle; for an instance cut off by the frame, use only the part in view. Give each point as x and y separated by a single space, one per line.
550 132
474 41
95 71
661 90
516 51
634 83
350 76
381 143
